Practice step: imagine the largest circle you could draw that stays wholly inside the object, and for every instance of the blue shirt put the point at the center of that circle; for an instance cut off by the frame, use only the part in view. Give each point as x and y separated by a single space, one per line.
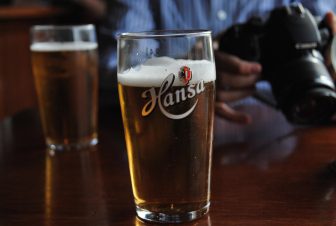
215 15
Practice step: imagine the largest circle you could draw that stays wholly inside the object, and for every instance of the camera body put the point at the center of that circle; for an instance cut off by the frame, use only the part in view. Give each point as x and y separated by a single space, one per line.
289 46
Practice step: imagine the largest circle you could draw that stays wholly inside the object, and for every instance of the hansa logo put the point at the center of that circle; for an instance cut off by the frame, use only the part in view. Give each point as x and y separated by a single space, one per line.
185 75
169 95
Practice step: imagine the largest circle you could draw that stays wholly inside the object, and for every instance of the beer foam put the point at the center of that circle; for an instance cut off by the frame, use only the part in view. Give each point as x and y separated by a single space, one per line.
62 46
154 71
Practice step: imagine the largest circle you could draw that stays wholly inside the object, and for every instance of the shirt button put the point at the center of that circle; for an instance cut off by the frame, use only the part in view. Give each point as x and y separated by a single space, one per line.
221 14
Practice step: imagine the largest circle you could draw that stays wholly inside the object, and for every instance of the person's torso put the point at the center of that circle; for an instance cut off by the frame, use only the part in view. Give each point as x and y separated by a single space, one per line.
218 15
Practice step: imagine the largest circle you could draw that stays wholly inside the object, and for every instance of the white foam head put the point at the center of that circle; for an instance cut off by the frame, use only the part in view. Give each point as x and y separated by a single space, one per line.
62 46
154 71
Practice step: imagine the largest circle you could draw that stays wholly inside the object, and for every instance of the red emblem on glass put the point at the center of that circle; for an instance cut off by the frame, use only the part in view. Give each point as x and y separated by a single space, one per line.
185 74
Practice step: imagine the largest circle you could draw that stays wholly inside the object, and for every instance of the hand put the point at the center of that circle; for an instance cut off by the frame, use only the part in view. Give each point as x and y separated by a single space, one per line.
330 20
236 79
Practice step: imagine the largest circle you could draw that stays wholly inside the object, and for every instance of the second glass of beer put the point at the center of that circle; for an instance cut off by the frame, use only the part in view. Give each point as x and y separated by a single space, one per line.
166 88
65 67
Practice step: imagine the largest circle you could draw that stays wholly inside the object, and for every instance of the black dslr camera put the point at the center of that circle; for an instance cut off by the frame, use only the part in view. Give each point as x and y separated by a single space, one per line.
289 46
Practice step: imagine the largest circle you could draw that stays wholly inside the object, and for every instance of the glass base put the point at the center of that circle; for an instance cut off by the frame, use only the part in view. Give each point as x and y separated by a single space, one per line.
147 215
52 148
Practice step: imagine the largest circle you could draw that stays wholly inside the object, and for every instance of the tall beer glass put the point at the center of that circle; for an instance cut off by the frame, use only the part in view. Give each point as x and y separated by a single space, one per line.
65 68
166 82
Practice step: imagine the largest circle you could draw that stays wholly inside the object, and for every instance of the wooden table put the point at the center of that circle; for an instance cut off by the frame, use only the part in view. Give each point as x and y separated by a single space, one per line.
266 173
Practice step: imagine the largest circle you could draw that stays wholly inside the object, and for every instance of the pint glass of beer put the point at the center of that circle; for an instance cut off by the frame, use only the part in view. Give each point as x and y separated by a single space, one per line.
166 82
65 68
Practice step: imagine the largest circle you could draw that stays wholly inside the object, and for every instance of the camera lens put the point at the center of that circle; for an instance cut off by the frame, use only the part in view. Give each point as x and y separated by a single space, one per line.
304 90
316 106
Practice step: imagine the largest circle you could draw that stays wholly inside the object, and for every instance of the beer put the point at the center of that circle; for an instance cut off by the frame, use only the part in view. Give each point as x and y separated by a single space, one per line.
66 80
169 131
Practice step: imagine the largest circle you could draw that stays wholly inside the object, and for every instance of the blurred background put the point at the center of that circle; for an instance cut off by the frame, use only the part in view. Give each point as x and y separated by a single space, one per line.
17 90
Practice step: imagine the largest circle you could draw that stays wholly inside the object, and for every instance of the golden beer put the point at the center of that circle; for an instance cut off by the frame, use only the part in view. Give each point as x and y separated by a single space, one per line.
169 134
66 80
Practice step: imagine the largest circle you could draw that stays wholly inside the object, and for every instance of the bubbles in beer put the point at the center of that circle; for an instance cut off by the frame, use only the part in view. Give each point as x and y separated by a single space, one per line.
62 46
168 127
153 72
66 79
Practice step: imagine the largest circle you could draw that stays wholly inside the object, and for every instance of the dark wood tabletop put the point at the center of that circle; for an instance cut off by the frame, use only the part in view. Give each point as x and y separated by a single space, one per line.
265 173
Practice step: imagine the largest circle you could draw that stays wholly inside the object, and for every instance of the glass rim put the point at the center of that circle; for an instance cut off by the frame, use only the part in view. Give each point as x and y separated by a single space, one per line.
62 27
164 34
